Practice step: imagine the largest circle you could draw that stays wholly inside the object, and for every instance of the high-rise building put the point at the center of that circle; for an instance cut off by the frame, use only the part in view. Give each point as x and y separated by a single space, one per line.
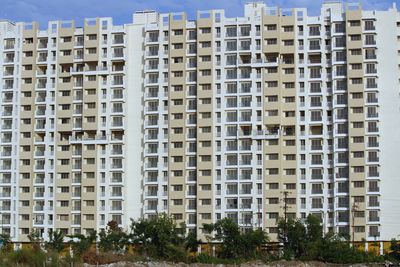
274 114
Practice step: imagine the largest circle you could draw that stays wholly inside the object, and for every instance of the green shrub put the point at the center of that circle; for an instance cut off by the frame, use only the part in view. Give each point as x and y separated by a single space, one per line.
26 256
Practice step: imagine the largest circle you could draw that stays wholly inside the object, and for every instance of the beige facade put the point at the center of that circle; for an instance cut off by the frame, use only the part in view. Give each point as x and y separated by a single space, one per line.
276 114
286 117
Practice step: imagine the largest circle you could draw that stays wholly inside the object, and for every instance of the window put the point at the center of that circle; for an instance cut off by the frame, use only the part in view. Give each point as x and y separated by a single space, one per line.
64 203
358 169
92 37
358 124
205 216
355 37
358 184
271 27
370 39
177 32
177 102
354 23
177 202
177 46
205 187
64 189
369 25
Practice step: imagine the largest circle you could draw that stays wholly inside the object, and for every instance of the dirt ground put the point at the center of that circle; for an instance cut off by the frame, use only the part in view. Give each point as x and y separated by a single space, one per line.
250 264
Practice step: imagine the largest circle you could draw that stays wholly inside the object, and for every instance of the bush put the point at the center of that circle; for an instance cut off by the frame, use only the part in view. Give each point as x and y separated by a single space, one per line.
25 256
159 238
93 258
305 241
336 249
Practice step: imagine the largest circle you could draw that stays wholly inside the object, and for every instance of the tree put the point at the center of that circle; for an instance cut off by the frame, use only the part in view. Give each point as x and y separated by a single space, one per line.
56 241
35 237
158 237
235 244
80 243
313 228
113 238
5 242
252 241
305 241
395 249
292 234
314 237
191 242
300 239
335 248
228 233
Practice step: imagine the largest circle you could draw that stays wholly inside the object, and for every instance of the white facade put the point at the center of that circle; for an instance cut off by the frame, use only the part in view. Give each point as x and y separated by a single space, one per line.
274 114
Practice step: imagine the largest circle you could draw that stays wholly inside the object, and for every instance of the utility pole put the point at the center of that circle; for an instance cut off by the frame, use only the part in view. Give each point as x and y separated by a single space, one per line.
1 214
354 208
285 211
285 205
258 215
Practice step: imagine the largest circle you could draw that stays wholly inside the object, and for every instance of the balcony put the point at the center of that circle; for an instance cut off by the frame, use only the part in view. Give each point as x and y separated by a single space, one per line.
76 166
5 194
231 206
315 47
76 208
7 99
372 115
6 153
39 194
9 45
118 41
116 166
5 180
39 208
42 45
5 208
39 153
149 207
9 60
152 39
117 96
116 152
118 55
42 59
373 204
6 126
373 219
373 189
374 234
246 191
151 193
152 53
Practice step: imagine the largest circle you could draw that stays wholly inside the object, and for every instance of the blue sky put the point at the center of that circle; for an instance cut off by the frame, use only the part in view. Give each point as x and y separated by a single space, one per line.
121 10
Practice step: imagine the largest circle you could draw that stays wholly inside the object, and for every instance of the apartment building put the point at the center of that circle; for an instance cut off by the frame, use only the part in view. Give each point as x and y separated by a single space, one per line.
274 114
